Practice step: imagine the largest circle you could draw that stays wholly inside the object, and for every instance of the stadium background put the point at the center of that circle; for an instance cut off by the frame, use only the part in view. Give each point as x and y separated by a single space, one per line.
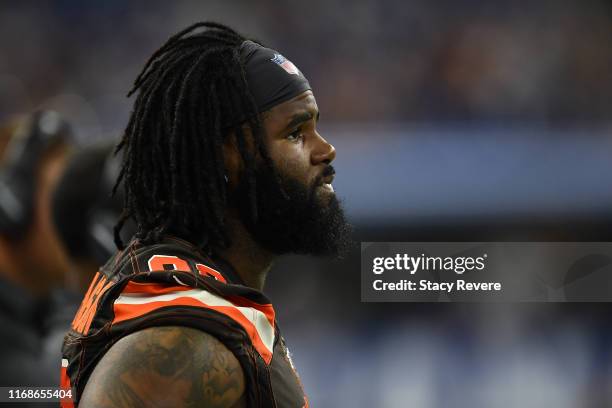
472 120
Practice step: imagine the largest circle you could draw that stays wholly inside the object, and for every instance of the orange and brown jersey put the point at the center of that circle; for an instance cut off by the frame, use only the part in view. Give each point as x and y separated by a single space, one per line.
173 284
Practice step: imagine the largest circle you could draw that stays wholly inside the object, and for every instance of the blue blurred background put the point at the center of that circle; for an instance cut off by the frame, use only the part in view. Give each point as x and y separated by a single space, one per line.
473 120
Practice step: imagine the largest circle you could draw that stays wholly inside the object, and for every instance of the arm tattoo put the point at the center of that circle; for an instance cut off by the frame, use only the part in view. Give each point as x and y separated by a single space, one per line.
166 367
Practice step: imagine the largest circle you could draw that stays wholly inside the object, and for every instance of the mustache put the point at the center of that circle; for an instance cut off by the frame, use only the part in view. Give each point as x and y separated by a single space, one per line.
328 171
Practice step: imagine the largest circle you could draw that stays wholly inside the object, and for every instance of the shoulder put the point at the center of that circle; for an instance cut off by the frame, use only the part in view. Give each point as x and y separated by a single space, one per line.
166 367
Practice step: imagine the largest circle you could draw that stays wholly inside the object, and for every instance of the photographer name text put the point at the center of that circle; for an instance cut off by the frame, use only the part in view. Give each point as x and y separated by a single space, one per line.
413 264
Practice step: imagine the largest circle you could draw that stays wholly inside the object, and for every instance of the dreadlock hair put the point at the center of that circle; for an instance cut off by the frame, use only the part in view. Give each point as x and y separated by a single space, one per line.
192 95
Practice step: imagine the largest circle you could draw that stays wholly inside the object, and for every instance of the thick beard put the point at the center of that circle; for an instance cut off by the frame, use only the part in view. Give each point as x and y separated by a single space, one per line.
298 221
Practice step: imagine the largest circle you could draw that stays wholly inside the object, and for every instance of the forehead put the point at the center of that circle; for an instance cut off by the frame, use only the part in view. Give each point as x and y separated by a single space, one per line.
284 112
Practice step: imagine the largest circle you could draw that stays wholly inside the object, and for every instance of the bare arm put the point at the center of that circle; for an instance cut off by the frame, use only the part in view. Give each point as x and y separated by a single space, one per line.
175 367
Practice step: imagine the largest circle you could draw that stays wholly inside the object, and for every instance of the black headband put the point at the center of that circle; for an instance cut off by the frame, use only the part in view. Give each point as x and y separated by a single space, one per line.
272 78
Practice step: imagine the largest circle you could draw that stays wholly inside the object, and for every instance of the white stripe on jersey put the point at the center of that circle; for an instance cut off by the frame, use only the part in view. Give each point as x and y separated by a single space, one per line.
259 320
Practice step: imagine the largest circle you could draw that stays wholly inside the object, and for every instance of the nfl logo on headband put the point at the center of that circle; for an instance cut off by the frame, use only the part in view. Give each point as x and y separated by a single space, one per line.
268 84
285 64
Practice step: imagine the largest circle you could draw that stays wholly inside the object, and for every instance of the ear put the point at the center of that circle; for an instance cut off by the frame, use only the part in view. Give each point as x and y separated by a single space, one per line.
234 165
232 160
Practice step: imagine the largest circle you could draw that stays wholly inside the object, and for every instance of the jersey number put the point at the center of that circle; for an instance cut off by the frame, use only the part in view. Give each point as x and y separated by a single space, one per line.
174 263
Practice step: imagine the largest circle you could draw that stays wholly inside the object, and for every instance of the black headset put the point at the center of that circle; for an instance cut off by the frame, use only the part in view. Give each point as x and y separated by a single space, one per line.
18 170
83 210
104 214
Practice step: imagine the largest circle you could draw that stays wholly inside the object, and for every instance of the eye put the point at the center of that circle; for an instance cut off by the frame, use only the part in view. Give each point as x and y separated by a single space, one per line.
296 135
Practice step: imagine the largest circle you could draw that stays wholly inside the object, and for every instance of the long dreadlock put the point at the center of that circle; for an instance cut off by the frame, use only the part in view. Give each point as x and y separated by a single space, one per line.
192 94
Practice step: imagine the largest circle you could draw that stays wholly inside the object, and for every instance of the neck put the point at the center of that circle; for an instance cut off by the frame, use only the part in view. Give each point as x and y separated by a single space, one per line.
250 261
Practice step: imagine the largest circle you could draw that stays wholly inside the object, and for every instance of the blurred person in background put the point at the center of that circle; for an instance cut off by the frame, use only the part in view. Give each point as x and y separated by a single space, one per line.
32 262
84 211
223 171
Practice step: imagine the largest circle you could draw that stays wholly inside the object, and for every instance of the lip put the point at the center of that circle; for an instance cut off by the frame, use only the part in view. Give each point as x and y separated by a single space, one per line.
326 183
328 187
329 179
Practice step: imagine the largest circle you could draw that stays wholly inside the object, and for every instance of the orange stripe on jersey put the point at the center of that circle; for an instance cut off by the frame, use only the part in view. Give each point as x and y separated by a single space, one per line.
255 322
89 305
94 306
85 302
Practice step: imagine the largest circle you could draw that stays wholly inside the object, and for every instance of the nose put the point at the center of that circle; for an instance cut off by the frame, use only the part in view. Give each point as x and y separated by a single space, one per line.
323 152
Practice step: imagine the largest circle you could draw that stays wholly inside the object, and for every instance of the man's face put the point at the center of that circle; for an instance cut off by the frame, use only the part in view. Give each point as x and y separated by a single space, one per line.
296 148
303 215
